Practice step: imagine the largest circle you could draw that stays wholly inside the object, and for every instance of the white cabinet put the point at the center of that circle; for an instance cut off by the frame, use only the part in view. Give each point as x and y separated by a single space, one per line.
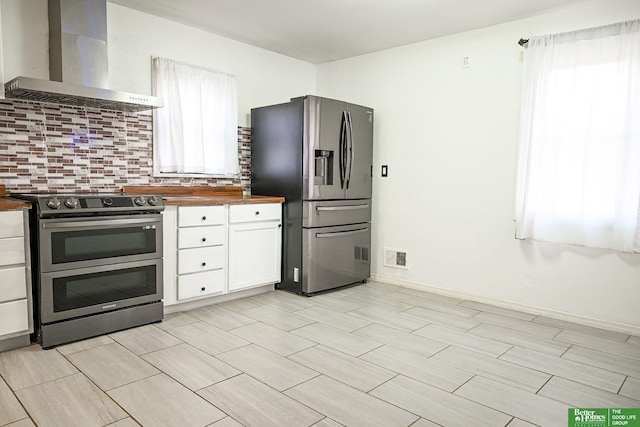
201 264
15 283
215 250
254 245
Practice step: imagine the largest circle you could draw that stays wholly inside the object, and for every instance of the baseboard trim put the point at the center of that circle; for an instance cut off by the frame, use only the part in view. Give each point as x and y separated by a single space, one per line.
216 299
537 311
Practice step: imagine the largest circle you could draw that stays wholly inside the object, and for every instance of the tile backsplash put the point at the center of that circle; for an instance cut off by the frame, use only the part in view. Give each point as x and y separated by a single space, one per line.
46 147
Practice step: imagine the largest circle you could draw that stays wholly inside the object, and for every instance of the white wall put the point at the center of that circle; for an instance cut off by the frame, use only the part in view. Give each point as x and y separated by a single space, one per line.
449 135
263 77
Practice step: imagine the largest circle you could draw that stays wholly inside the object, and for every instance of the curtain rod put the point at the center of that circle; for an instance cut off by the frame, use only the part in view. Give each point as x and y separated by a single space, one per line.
523 42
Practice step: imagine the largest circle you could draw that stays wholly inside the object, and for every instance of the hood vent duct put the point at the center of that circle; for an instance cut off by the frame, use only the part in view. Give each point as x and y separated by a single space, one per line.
78 64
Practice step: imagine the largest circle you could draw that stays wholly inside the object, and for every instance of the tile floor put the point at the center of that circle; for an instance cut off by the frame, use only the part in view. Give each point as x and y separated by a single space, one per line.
370 355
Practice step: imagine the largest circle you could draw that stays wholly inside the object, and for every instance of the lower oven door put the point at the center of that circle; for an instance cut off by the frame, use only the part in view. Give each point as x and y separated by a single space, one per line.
79 292
69 243
335 256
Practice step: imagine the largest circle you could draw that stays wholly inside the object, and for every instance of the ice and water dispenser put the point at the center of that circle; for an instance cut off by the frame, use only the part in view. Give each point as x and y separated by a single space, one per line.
324 167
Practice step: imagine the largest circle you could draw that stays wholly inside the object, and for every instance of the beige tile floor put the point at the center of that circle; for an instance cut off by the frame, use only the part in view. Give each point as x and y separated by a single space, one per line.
370 355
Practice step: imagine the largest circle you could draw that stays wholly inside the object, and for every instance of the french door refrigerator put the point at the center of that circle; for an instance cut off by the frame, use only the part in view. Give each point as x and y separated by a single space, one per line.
317 153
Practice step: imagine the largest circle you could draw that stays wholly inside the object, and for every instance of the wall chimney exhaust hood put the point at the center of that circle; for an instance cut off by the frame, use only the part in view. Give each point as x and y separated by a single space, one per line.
78 65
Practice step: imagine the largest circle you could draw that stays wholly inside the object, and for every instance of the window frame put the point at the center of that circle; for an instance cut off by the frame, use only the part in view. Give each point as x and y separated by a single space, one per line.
156 172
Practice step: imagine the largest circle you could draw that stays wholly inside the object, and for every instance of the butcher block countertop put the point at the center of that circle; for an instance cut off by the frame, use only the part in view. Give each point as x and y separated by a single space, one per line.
9 204
201 195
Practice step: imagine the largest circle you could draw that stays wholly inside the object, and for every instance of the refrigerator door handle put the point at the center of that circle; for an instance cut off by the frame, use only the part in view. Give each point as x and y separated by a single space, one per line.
351 151
342 233
343 149
341 208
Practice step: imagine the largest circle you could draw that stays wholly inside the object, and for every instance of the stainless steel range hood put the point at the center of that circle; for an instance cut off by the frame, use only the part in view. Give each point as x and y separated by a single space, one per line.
78 65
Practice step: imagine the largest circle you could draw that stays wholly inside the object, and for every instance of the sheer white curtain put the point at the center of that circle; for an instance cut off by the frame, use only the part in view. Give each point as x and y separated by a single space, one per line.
197 130
579 160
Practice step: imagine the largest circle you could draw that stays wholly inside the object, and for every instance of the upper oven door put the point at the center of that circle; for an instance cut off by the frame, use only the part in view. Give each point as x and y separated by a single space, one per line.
69 243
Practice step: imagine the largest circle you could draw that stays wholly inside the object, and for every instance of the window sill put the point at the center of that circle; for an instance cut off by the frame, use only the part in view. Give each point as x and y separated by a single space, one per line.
193 175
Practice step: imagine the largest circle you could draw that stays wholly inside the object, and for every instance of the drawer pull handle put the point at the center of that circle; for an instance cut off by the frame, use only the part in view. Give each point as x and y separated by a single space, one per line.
204 239
204 218
203 289
204 263
257 212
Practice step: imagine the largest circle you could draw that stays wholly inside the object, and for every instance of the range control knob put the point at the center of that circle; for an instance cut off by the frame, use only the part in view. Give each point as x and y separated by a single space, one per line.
107 201
139 201
71 202
54 203
153 200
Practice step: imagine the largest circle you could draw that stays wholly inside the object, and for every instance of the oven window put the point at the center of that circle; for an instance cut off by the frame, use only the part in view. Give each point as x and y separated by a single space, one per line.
70 293
70 246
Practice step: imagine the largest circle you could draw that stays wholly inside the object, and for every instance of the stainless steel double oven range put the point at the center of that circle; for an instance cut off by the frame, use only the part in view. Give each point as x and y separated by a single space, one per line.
96 262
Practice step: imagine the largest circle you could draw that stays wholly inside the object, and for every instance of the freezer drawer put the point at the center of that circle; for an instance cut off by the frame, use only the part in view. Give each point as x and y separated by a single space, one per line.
327 213
335 256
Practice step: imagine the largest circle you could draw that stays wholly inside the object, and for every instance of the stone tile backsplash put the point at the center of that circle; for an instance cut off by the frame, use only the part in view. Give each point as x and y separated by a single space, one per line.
46 147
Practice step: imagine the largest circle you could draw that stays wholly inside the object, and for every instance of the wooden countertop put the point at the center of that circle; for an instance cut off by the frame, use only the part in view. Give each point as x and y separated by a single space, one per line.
201 195
218 200
9 204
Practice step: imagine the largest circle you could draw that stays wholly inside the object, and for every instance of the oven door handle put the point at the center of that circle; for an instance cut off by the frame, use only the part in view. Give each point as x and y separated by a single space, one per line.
102 223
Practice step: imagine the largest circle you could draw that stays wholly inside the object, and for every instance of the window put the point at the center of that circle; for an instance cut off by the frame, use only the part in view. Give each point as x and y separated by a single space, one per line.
196 133
579 161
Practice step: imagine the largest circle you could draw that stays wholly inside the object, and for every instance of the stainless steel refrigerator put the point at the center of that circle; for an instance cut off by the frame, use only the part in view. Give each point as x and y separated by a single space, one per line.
317 153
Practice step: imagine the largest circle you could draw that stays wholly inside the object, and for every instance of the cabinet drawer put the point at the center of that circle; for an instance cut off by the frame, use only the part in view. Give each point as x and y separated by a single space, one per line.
12 251
190 216
13 284
11 224
200 259
14 317
195 237
200 284
255 212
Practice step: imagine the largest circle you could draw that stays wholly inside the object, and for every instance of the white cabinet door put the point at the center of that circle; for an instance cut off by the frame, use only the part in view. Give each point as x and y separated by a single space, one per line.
255 212
200 259
14 317
12 251
13 283
206 283
195 216
12 224
199 237
254 254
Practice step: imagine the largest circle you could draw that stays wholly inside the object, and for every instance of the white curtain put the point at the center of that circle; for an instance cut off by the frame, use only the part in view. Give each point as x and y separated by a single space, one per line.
579 160
197 130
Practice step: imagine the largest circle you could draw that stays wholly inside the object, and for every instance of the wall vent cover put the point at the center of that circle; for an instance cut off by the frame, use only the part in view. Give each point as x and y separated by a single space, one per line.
395 258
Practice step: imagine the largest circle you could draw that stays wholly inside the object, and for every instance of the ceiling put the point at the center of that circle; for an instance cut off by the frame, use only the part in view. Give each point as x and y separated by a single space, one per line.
325 30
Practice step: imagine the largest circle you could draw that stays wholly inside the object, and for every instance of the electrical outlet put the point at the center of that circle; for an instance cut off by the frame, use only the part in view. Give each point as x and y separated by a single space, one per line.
466 62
